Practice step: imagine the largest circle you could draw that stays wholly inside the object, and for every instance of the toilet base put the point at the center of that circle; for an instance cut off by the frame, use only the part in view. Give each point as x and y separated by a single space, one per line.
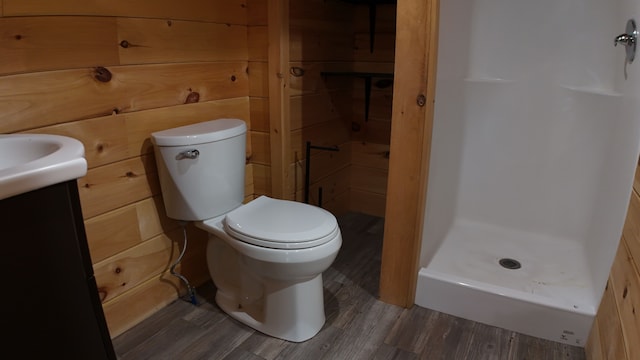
289 311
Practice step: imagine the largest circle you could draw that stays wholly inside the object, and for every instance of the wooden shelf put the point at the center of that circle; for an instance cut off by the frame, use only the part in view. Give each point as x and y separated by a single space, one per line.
367 76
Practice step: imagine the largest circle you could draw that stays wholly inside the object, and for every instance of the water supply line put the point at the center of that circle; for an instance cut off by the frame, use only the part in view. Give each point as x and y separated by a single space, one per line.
191 292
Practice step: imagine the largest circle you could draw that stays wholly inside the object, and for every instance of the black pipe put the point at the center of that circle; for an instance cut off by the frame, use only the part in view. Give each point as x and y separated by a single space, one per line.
307 171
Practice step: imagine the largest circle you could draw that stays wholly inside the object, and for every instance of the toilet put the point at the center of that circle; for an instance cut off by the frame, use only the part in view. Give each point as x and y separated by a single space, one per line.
266 257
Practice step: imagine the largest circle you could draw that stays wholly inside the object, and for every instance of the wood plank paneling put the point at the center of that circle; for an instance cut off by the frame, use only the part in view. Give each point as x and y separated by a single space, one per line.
625 283
257 12
130 268
112 232
322 164
415 68
381 100
248 181
374 160
170 41
321 39
262 179
259 73
370 154
385 19
125 227
259 114
51 43
132 307
312 109
115 185
610 328
321 11
374 67
278 85
369 179
75 94
258 52
306 78
371 123
311 44
377 127
383 49
324 134
152 218
333 186
338 204
227 11
260 142
372 131
104 138
258 38
321 31
367 202
631 230
194 264
593 348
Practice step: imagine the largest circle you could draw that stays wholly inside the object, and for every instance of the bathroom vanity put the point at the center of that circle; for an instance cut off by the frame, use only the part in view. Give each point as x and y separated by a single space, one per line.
50 304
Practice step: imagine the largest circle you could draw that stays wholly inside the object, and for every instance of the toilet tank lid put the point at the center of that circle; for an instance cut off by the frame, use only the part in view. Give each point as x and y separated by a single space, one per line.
200 133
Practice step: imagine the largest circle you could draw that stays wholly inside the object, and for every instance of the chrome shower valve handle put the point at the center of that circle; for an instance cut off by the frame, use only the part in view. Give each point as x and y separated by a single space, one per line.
629 40
625 39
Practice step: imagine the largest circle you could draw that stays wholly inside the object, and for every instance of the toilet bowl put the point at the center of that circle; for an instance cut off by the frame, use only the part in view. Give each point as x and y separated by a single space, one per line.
274 287
266 257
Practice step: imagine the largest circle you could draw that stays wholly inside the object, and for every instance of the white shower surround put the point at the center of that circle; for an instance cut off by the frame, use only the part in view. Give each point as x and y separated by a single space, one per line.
535 140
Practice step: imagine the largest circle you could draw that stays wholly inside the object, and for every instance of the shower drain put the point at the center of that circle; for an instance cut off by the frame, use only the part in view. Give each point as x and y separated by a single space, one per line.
510 263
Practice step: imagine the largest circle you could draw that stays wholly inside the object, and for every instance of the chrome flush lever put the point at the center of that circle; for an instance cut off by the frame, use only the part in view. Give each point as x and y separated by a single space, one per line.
629 40
188 154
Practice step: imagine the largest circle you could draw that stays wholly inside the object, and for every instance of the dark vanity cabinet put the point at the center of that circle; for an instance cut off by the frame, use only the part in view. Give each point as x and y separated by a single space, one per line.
50 304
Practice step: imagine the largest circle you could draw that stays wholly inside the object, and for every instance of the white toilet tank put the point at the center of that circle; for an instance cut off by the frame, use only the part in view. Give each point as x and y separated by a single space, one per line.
201 168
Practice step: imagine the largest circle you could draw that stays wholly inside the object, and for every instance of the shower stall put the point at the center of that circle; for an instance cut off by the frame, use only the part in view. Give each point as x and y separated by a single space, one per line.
535 141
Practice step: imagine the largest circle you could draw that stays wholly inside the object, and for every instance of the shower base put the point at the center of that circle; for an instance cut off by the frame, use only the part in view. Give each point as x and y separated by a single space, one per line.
549 296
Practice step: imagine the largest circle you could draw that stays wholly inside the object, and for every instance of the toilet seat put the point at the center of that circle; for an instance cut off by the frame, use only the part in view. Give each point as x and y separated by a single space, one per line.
281 224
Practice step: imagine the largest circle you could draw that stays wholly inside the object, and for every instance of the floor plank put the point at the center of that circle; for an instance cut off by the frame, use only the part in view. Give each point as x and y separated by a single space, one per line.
358 325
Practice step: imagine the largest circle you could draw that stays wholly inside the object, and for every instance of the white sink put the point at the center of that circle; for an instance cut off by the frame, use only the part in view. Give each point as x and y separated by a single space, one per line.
33 161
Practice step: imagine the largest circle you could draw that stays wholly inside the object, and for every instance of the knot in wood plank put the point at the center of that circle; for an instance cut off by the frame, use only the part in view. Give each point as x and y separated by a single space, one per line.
102 74
193 97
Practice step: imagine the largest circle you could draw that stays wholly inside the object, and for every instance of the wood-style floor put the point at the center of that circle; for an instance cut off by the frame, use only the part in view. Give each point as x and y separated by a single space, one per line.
358 325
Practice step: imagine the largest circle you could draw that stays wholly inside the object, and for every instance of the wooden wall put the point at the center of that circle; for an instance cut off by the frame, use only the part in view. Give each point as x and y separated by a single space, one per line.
616 331
321 35
259 95
371 137
109 73
329 110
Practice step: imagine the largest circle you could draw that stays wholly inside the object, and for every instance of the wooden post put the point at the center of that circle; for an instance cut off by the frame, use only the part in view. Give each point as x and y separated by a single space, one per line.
412 120
279 119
